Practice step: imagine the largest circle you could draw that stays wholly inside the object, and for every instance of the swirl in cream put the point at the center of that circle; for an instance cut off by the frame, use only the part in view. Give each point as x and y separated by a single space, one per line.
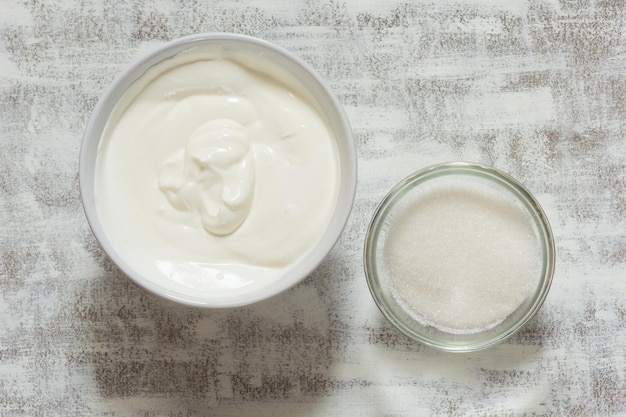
212 176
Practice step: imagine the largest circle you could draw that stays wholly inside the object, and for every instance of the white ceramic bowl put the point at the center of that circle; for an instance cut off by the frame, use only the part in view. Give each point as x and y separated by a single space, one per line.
316 89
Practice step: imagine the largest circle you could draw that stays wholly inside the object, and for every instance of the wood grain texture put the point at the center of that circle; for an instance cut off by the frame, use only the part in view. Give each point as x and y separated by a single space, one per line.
535 88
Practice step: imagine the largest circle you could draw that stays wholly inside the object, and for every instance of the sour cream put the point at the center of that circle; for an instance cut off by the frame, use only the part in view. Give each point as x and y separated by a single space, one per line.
215 173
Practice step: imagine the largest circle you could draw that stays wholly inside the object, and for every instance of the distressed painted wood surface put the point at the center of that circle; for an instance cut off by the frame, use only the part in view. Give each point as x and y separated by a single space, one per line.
536 88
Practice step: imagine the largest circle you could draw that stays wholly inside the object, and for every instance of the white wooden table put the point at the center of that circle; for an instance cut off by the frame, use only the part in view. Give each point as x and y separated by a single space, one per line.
537 89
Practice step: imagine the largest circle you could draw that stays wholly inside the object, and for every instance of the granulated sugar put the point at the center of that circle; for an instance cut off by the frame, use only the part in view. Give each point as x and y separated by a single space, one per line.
462 256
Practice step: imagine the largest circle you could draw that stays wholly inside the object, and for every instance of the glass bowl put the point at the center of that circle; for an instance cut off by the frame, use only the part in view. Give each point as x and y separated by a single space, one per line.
459 256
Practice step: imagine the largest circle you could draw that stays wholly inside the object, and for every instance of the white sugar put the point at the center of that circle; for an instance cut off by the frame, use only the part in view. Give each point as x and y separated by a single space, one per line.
462 256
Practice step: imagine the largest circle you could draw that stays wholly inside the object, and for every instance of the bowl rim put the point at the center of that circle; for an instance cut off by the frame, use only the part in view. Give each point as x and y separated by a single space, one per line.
459 167
347 174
